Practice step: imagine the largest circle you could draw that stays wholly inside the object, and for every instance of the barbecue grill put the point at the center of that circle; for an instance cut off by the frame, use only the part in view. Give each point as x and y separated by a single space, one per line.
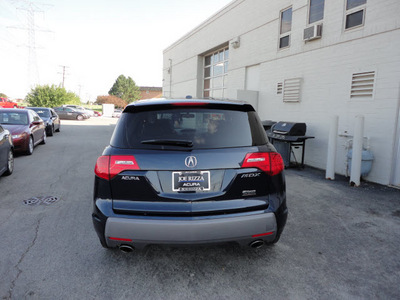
288 135
267 124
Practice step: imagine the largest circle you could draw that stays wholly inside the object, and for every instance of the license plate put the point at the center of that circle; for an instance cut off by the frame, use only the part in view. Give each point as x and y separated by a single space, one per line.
191 181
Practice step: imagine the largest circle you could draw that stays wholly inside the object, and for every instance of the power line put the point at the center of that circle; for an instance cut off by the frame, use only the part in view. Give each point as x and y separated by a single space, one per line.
31 8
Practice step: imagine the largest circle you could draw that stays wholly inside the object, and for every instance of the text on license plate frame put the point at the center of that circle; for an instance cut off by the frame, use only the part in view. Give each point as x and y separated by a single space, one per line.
189 181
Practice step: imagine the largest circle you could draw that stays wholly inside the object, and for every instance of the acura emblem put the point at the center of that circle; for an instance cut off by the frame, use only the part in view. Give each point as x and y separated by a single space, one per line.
191 161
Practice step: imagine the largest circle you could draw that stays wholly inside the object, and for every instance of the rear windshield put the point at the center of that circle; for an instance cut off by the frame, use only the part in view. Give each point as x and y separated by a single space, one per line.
195 128
42 112
13 118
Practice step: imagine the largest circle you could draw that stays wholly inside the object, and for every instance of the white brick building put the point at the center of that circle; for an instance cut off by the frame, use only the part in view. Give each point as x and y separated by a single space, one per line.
255 50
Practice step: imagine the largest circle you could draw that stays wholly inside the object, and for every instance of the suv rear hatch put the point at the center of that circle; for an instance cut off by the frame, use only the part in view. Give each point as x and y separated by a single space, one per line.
190 160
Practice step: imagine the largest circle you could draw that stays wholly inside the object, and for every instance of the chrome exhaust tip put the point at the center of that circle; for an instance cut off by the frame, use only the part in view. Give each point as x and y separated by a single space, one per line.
257 244
126 248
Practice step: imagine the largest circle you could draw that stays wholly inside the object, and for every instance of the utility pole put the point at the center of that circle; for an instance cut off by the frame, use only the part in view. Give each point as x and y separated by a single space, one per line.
80 88
31 8
63 74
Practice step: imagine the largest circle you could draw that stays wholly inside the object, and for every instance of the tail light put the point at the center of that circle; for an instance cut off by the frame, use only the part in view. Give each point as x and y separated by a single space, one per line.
102 167
269 162
107 167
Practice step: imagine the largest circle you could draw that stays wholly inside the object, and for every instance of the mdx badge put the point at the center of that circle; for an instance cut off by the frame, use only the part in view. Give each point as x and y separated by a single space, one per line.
191 161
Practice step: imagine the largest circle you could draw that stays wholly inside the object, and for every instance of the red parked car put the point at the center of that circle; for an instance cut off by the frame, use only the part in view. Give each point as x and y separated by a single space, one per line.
6 103
26 127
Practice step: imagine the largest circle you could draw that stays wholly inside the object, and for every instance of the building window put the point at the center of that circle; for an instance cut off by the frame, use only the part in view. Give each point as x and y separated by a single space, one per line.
216 74
286 27
316 11
355 13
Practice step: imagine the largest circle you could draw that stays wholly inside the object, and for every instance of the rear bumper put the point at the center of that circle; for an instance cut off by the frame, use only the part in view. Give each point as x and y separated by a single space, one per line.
49 128
142 232
142 229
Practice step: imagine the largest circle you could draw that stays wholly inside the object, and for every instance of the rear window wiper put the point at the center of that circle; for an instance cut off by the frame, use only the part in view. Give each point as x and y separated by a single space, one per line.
180 143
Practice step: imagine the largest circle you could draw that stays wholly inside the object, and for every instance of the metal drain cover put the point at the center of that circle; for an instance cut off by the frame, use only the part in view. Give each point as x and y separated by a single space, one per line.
46 200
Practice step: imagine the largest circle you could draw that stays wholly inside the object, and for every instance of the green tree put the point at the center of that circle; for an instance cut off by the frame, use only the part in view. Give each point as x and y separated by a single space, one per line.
51 96
72 98
126 89
3 95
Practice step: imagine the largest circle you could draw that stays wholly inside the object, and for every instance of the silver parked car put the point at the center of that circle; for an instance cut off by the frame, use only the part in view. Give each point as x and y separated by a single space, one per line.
6 152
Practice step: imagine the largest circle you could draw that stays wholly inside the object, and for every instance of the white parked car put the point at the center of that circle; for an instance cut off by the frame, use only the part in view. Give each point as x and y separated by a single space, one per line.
117 113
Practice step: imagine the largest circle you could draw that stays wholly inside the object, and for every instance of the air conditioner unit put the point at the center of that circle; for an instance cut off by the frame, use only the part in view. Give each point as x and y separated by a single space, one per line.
313 32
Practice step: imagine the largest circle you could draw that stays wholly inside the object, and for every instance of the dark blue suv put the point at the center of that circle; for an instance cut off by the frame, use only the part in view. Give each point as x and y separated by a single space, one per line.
189 172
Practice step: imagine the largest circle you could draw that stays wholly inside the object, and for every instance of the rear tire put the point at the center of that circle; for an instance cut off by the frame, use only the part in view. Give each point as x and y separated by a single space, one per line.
10 163
51 131
58 129
44 138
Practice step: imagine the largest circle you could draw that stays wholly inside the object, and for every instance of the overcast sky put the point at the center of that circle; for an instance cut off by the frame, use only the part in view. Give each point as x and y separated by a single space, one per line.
97 40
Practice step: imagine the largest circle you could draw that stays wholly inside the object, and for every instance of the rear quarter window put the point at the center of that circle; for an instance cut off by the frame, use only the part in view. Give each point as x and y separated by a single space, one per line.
198 128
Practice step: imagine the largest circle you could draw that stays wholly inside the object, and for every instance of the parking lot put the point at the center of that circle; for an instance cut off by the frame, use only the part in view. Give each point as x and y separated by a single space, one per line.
340 242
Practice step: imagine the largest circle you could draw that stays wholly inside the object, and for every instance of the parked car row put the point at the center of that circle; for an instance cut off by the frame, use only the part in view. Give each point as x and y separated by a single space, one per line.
23 129
27 129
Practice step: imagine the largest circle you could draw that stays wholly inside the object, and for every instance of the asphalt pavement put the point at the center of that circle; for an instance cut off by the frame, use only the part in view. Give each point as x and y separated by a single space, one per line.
340 242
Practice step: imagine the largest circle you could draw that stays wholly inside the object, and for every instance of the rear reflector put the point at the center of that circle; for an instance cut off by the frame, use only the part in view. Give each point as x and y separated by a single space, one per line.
263 234
107 167
269 162
119 239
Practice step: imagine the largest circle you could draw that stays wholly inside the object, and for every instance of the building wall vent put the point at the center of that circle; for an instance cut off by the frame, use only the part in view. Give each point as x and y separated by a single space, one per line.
362 85
313 32
291 90
279 88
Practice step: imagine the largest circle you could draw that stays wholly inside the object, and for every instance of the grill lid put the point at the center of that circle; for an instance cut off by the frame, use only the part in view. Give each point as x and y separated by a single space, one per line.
289 128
